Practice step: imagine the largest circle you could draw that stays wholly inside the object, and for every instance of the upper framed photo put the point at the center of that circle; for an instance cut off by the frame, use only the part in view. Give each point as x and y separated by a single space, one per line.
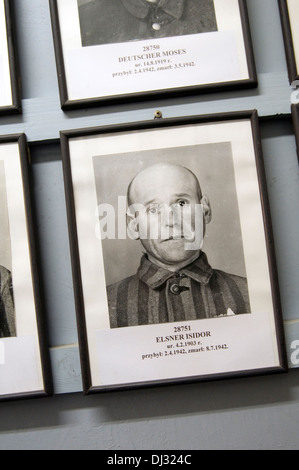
10 97
172 252
109 51
289 13
24 361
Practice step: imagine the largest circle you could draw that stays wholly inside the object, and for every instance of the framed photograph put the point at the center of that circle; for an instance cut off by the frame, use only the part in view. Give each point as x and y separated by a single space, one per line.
24 361
109 51
289 13
10 99
172 252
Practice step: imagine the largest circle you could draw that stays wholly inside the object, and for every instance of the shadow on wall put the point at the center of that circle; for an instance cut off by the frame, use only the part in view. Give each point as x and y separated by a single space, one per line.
152 403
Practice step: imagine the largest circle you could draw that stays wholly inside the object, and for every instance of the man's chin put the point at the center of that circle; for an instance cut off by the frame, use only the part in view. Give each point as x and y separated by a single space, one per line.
171 253
174 257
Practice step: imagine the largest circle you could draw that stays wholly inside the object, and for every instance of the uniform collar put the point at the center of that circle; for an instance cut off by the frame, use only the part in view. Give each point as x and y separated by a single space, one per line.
141 8
154 276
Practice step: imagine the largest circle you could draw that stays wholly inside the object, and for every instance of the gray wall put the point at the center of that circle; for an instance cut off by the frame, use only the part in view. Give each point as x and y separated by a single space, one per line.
246 413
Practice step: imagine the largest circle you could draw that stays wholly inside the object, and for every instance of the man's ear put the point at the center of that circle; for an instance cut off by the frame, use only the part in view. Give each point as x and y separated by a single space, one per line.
207 211
132 226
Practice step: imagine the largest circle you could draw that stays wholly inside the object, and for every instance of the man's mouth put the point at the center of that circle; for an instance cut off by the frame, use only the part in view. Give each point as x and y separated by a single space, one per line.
169 239
187 236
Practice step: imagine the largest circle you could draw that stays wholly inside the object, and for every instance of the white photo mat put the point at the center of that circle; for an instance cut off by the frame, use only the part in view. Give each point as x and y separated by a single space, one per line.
104 71
133 355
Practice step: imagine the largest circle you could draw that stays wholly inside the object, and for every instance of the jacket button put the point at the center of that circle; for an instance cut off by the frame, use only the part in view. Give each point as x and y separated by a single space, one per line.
156 26
175 289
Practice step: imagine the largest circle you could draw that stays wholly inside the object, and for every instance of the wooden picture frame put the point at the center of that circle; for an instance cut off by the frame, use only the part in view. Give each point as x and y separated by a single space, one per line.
138 62
162 321
289 13
24 355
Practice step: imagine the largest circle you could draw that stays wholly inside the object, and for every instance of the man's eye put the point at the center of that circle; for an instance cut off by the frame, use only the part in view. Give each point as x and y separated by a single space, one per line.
181 203
153 210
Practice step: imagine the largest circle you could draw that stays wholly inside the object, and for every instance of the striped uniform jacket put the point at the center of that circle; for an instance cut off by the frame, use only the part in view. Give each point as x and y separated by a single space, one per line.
155 295
7 311
108 22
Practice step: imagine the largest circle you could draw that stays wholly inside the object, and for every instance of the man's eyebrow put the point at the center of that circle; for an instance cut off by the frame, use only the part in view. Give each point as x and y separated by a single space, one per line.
174 196
152 201
187 195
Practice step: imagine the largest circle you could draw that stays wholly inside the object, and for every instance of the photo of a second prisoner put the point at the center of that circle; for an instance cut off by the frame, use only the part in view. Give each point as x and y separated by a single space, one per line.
115 21
7 307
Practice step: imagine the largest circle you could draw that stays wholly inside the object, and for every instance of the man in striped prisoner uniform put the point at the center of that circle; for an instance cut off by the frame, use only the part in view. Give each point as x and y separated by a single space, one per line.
174 281
7 313
110 22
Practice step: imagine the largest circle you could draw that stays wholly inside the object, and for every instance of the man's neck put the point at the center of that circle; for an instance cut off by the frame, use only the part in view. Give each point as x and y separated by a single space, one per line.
174 267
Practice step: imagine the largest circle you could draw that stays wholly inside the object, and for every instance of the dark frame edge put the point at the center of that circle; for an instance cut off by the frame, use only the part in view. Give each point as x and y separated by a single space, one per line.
155 123
58 50
194 91
293 72
75 262
187 380
270 245
253 77
34 259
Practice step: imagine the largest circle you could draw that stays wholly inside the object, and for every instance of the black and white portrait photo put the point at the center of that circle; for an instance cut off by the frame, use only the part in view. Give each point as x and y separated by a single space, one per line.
7 316
113 21
7 310
171 210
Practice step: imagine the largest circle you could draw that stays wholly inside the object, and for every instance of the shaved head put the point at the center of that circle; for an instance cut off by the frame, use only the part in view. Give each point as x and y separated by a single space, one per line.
160 174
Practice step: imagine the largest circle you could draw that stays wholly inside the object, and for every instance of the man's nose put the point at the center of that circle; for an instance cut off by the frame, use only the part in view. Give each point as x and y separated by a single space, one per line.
170 216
